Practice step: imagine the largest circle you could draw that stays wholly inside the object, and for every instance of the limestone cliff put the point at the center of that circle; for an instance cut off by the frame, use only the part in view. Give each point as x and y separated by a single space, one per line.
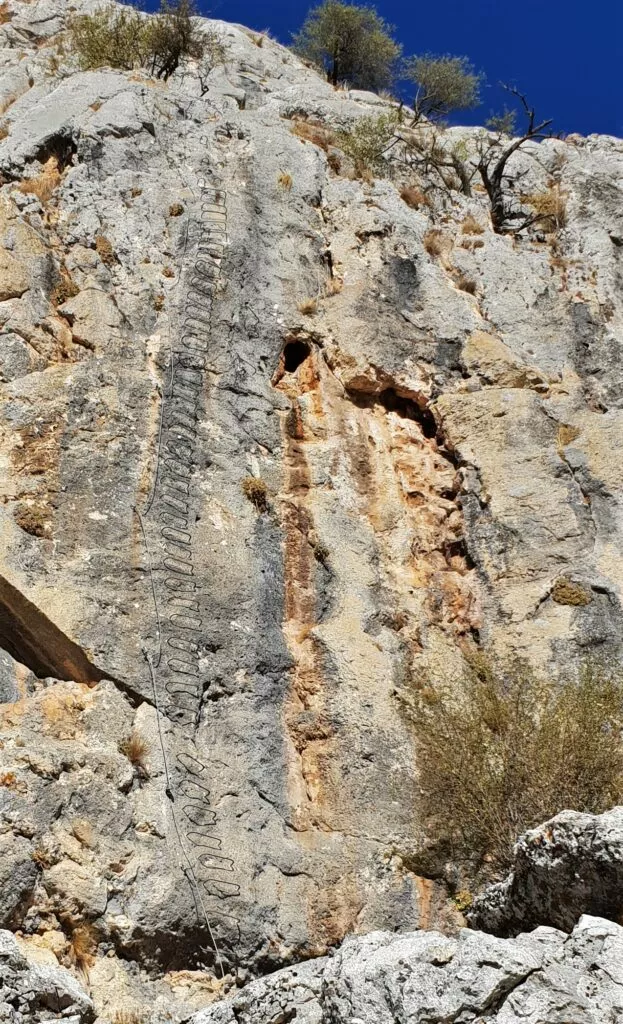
266 462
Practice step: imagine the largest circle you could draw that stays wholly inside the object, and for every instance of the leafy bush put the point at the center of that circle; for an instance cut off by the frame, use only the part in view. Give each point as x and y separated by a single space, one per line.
112 36
369 138
120 37
352 43
443 84
511 750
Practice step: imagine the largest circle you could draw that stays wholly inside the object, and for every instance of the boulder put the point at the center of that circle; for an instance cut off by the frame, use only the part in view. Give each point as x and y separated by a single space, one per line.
568 866
545 976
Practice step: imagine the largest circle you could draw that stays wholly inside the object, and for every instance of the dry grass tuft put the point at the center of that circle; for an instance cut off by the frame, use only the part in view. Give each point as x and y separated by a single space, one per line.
168 272
4 130
105 250
132 1016
256 491
510 749
159 302
322 137
65 289
566 434
83 942
333 286
60 712
5 13
466 284
176 210
432 242
566 591
471 226
43 856
285 181
33 517
334 161
414 197
550 206
42 186
9 780
308 307
135 749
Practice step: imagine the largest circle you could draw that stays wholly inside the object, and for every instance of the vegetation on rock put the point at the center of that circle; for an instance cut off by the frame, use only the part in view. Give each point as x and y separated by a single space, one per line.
368 140
123 38
443 84
354 44
510 749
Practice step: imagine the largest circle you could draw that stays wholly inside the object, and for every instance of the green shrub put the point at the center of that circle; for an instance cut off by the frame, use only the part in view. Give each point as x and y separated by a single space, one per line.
110 37
120 37
352 43
369 138
443 84
510 750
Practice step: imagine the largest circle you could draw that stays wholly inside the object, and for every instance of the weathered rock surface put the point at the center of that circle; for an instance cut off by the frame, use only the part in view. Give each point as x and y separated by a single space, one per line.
545 977
437 466
568 866
31 991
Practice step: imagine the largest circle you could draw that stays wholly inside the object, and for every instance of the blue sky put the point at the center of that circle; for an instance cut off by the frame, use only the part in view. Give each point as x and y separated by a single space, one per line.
566 55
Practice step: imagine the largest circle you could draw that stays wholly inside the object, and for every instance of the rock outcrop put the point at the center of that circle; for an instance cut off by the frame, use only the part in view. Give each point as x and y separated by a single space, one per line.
274 446
33 990
568 866
545 976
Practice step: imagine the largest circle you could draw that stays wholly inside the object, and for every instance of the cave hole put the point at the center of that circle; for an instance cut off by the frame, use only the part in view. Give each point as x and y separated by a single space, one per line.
62 146
408 408
391 400
294 354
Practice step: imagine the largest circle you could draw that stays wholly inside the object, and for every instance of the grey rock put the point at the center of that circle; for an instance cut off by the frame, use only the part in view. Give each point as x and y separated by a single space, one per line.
18 875
33 992
418 495
568 866
543 976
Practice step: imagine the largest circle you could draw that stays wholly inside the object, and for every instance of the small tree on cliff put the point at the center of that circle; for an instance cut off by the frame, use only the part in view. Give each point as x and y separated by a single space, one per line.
442 84
353 44
173 35
494 153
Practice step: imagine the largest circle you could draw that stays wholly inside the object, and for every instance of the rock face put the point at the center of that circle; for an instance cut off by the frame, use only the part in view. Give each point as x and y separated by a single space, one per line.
543 977
569 866
31 992
266 459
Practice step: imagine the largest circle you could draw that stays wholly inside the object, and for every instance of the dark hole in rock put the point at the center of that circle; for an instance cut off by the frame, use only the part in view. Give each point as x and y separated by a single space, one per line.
62 145
295 353
391 400
33 640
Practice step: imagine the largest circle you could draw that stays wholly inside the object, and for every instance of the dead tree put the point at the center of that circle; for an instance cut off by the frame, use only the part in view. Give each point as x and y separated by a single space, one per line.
432 158
494 157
